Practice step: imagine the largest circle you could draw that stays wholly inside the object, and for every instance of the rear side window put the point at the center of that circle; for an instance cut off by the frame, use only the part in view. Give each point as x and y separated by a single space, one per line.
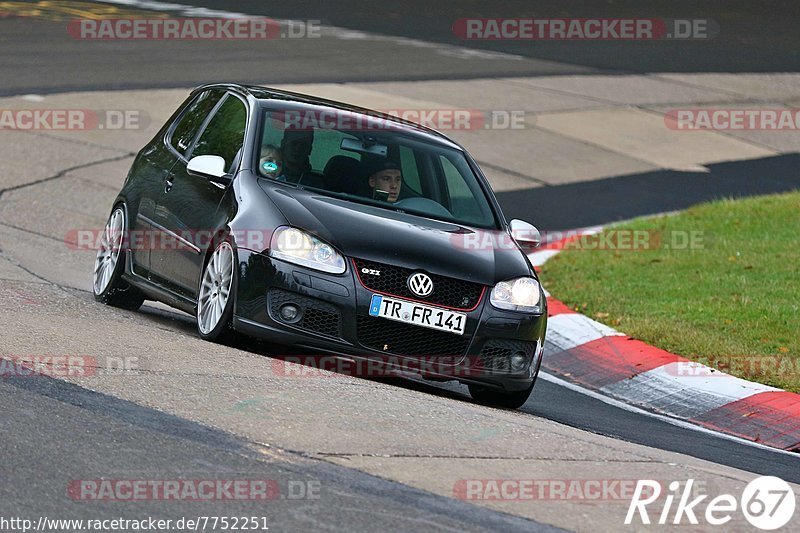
224 135
190 121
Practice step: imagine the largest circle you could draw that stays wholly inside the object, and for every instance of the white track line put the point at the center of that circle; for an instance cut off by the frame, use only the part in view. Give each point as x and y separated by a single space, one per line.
669 420
183 9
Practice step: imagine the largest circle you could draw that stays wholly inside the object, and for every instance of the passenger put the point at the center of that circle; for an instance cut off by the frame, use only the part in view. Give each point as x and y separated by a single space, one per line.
385 180
270 164
296 147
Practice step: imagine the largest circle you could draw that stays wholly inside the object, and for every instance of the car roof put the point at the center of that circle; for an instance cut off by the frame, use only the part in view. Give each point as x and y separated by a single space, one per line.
268 93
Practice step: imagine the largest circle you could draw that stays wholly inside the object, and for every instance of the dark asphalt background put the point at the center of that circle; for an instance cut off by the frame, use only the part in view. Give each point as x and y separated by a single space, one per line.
53 430
754 36
590 203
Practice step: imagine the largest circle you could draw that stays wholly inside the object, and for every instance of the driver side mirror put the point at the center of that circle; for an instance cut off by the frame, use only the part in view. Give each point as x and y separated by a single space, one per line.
211 167
526 235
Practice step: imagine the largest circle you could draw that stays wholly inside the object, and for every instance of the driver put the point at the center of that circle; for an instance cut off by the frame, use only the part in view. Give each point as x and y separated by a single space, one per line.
385 180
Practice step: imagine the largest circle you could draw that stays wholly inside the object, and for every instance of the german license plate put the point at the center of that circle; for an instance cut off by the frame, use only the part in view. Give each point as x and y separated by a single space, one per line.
417 314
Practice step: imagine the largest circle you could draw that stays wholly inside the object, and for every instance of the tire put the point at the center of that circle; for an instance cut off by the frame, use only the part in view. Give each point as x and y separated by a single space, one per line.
216 294
108 286
498 398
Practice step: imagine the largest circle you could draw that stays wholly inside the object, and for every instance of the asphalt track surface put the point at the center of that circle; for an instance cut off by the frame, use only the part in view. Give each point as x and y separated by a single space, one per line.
43 57
65 431
752 37
623 197
56 429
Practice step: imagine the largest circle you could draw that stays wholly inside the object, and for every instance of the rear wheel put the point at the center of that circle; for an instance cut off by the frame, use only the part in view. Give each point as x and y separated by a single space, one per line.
107 283
215 297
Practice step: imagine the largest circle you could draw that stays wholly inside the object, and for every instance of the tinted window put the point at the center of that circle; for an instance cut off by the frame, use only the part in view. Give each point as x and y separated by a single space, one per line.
371 160
191 120
462 199
326 145
409 166
224 135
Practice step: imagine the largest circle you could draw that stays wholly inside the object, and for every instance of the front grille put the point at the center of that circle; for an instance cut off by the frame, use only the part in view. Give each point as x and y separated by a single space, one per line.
496 353
449 292
318 316
405 339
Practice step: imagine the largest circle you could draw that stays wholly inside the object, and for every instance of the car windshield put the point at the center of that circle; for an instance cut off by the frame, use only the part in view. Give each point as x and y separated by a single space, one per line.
370 160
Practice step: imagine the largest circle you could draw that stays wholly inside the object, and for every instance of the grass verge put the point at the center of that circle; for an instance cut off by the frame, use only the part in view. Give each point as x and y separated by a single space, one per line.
718 283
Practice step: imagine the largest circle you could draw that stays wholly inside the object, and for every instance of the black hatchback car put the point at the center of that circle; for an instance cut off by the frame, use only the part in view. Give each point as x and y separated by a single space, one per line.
335 229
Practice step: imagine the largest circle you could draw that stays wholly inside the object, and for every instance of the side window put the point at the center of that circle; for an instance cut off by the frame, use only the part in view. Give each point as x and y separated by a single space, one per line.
273 131
408 162
462 200
191 120
224 135
326 145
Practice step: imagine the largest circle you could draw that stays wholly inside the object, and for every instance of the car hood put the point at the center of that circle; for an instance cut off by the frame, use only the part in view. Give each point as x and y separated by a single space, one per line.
386 236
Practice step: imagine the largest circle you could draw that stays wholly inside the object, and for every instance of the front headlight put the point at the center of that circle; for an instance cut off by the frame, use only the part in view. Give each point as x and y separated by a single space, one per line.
301 248
520 294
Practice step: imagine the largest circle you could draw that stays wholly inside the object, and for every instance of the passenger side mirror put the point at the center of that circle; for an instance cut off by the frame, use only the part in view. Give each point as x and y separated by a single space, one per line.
211 167
526 235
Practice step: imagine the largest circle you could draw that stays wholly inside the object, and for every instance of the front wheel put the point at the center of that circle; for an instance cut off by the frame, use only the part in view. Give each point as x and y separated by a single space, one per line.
108 286
490 396
215 297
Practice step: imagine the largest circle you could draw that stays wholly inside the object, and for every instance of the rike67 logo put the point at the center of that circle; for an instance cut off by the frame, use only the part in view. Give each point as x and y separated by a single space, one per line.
767 503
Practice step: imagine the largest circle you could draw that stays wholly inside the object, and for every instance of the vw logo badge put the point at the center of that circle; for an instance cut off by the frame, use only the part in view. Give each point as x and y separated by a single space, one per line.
420 284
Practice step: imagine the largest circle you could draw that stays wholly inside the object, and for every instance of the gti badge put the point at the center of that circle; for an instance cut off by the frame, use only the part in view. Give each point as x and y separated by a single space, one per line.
371 271
420 284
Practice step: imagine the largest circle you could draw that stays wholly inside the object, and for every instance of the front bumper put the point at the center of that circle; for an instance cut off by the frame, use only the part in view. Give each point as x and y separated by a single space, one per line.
336 321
